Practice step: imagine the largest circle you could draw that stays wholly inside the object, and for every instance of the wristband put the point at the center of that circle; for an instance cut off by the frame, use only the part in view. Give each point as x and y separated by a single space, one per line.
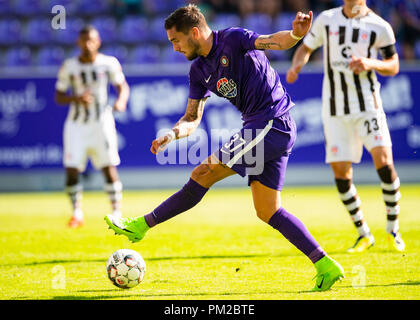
171 135
294 37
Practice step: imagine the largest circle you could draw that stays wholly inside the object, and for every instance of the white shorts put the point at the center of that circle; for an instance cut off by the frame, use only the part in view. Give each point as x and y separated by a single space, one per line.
96 141
345 136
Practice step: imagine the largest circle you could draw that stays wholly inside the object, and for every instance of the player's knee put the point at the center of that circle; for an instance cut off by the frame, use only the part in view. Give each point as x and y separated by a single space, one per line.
342 171
202 174
264 213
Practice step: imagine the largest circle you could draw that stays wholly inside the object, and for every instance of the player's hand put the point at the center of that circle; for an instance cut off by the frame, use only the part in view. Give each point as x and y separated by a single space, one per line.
85 99
159 144
292 75
302 23
360 64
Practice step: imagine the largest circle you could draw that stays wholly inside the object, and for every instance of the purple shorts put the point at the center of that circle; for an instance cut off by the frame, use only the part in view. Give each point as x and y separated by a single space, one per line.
261 150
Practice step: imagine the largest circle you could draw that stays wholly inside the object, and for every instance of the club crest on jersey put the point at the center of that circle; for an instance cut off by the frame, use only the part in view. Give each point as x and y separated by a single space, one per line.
227 88
224 61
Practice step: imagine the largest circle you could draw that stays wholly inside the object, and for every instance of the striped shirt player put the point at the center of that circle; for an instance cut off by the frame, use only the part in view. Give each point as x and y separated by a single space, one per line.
93 77
89 129
352 37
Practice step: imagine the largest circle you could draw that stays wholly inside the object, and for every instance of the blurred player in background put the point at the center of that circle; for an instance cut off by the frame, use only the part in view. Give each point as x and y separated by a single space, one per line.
89 129
232 64
352 111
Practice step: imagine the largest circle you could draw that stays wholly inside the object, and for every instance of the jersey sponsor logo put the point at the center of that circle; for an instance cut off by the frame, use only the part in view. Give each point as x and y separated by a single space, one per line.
227 88
346 52
338 64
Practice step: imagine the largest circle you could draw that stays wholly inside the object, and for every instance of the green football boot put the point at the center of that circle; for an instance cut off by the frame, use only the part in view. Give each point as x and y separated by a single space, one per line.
133 228
328 272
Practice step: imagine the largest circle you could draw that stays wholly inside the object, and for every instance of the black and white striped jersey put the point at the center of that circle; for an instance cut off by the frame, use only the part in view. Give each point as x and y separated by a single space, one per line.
343 91
95 77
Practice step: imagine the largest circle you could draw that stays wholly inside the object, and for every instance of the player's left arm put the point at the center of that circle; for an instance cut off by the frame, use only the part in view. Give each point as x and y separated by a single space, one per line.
123 91
389 66
284 40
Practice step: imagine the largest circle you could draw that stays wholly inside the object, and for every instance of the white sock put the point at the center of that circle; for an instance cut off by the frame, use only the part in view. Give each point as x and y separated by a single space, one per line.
78 214
117 214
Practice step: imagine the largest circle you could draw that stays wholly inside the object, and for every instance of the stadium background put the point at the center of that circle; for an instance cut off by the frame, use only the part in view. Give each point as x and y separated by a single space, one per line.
31 51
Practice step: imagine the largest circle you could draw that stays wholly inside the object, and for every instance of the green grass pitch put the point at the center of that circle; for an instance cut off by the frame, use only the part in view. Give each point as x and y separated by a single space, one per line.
217 250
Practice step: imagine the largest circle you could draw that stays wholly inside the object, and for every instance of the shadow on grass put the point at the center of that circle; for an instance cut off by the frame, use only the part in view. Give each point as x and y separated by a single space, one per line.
171 258
408 283
168 258
152 296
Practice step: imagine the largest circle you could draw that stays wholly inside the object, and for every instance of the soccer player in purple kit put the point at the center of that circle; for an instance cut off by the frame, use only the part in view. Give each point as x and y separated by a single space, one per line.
232 64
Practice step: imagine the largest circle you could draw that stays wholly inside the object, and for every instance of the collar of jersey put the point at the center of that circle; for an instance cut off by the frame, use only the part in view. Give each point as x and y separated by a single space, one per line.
214 45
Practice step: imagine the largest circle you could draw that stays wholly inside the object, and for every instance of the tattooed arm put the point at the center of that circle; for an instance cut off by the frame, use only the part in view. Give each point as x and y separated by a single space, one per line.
191 119
284 40
184 127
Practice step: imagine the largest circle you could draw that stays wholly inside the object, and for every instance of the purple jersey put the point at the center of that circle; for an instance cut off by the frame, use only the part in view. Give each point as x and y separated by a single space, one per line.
234 69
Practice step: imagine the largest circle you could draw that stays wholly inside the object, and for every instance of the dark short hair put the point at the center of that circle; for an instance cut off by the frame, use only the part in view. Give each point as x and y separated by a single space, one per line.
86 29
185 18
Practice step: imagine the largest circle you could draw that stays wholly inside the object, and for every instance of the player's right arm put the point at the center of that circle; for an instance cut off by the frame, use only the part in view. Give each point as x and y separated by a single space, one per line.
63 84
284 40
64 98
184 127
313 40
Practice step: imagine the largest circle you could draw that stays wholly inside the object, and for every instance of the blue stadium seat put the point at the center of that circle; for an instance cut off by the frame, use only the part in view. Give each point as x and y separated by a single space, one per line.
133 29
10 31
258 22
27 7
172 5
144 54
5 7
71 6
226 20
283 21
118 51
94 7
157 30
18 56
170 56
156 7
38 31
69 35
107 28
50 56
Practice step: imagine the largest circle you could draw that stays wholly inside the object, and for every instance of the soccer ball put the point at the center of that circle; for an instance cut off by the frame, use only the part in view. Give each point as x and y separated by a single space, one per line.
126 268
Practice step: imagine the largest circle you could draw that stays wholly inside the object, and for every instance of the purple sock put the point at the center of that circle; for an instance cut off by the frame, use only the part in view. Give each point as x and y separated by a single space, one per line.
296 232
183 200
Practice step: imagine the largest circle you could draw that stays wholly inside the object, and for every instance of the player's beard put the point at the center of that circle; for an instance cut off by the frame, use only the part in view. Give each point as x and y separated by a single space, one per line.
88 54
194 49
